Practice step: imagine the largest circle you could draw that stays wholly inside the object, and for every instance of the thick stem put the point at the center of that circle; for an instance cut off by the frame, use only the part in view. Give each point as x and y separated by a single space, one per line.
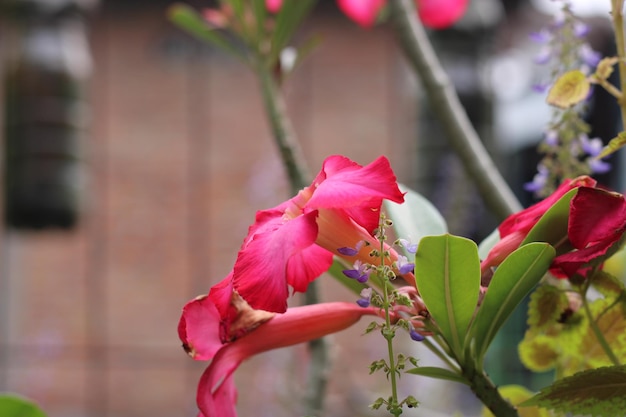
488 394
618 27
447 106
298 175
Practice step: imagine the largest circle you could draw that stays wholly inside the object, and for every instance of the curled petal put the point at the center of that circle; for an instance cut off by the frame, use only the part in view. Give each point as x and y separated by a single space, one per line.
198 329
363 12
596 215
440 14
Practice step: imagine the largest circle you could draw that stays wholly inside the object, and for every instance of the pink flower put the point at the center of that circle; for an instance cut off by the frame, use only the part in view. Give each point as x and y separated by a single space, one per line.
435 14
198 329
514 229
294 242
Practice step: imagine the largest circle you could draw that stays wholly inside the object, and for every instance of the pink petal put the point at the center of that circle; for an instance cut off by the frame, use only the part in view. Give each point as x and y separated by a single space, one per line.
198 329
306 265
260 272
363 12
596 215
358 190
216 392
439 14
572 262
273 6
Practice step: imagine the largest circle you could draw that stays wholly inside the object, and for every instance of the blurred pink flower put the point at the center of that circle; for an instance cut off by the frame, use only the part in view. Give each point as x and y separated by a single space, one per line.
435 14
198 329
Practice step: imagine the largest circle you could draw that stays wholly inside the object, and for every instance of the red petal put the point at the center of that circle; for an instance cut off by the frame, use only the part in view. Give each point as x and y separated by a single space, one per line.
260 272
596 215
363 12
439 14
273 5
572 262
198 328
527 218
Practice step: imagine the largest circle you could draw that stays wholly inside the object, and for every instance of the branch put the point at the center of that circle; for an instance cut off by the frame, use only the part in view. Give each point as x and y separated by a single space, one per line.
442 96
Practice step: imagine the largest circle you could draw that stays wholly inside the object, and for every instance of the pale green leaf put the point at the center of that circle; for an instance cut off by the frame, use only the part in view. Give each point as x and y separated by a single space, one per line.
448 279
416 217
516 394
17 406
438 373
518 274
604 69
569 89
288 20
597 392
614 144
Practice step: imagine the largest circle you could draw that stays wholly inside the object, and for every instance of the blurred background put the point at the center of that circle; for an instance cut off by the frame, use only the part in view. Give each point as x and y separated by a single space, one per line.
135 157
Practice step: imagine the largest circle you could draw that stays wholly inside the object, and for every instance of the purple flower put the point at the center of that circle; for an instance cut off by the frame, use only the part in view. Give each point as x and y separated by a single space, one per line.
543 36
404 266
599 166
539 180
543 56
347 251
408 245
581 29
552 138
361 272
415 335
366 296
589 56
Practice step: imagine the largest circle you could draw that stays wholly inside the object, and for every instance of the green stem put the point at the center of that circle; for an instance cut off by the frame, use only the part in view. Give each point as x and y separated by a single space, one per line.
295 165
599 336
447 106
388 331
488 394
618 28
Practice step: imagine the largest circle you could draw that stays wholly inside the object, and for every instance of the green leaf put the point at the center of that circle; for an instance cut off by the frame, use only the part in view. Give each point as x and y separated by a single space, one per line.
16 406
416 217
516 394
289 18
569 89
613 145
448 279
597 392
552 226
439 373
191 21
546 305
514 278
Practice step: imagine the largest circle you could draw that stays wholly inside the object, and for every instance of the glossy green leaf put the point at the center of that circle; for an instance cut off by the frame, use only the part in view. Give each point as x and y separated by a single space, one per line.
597 392
448 278
416 217
192 22
513 280
289 18
552 226
17 406
438 373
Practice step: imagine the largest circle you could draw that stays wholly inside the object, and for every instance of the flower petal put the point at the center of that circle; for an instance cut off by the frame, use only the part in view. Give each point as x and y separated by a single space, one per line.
198 328
596 215
363 12
439 14
260 274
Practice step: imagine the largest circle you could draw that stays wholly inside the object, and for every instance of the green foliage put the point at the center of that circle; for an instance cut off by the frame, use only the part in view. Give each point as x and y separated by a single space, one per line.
16 406
438 373
598 392
517 394
552 226
290 17
416 217
614 144
569 89
192 22
607 284
448 278
513 280
547 304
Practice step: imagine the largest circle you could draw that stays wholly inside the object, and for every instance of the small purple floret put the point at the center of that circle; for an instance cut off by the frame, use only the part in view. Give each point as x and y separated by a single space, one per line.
346 251
363 302
415 335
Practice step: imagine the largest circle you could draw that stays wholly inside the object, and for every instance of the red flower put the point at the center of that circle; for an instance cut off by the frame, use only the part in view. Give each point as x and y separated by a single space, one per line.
435 14
597 222
198 329
294 243
514 229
